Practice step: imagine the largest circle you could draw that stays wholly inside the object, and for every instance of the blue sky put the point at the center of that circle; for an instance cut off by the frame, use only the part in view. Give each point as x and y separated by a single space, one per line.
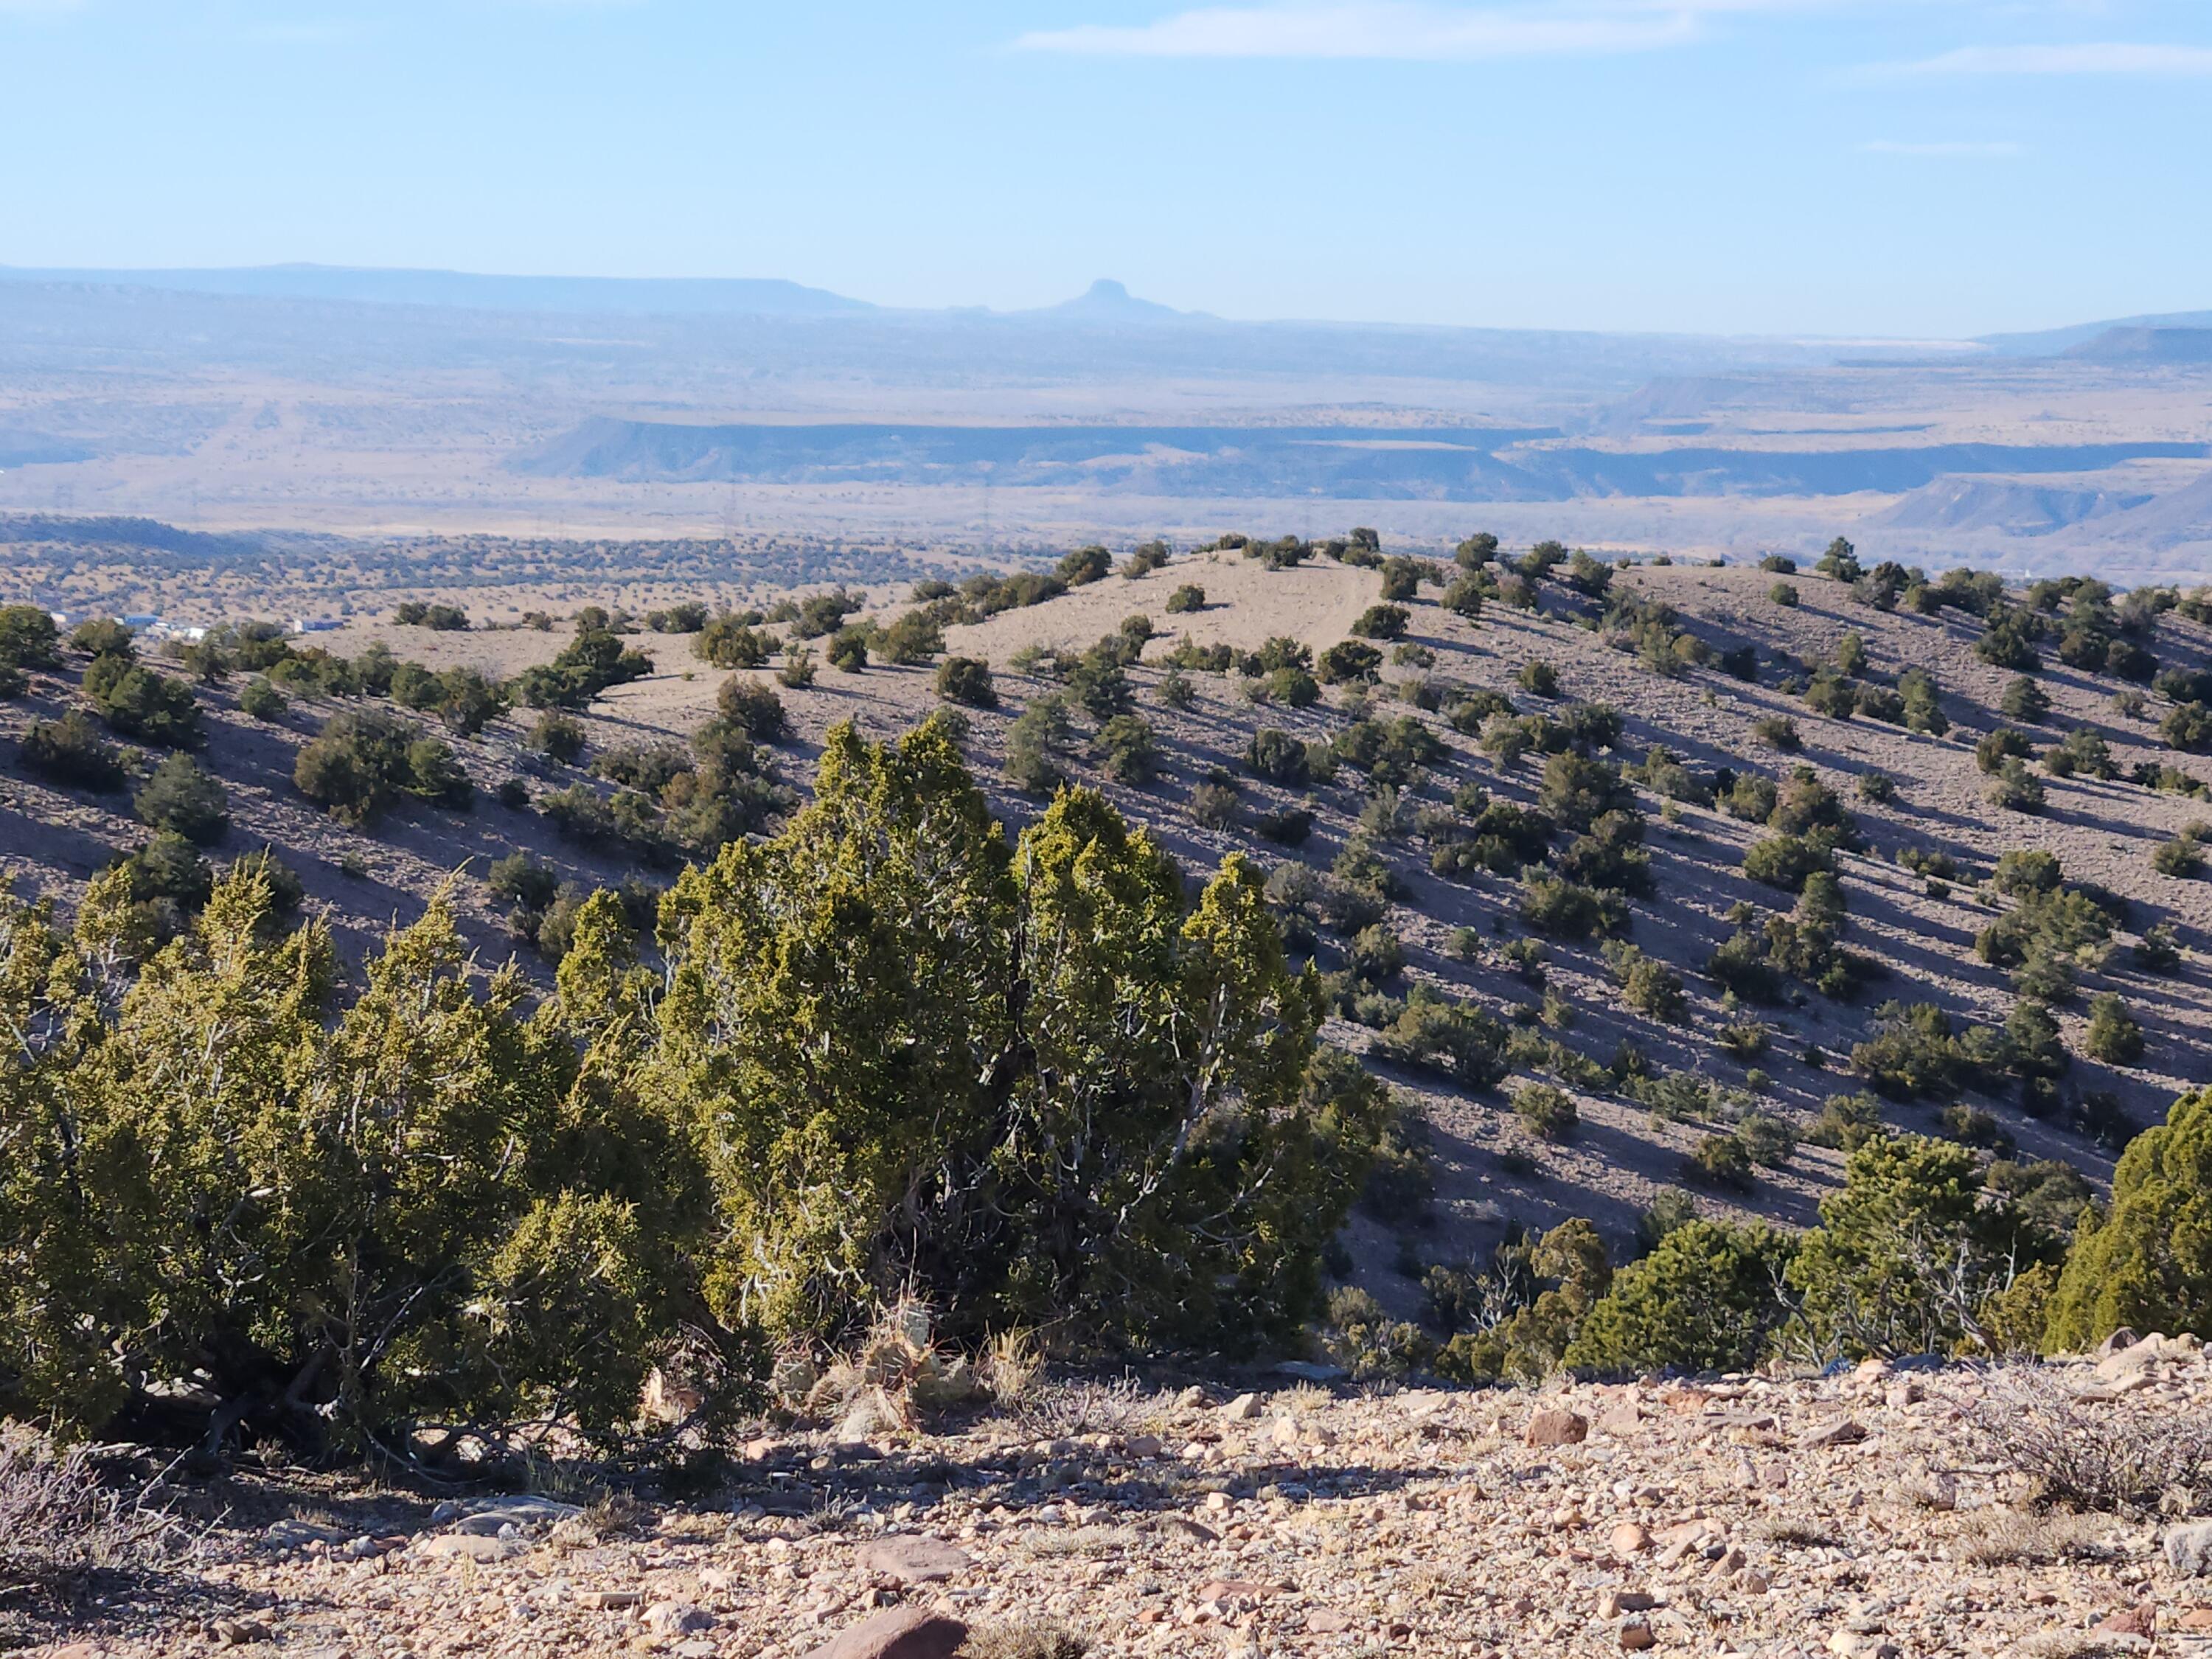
1872 167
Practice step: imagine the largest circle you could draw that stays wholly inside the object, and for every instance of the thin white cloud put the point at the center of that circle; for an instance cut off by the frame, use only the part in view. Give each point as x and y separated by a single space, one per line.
1427 30
1962 149
2089 58
1370 29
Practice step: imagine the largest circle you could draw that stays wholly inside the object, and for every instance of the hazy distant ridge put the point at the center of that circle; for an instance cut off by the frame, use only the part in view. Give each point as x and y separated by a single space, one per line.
755 296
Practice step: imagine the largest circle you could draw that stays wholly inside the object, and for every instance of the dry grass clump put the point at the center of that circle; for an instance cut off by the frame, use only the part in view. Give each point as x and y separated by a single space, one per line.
1067 1411
1010 1366
1024 1639
57 1518
1303 1401
1997 1537
2110 1455
832 1512
2076 1644
611 1515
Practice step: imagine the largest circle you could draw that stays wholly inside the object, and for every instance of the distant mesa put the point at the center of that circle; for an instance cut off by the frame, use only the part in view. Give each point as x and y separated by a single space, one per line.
2134 519
2062 342
1108 301
110 530
2180 518
2148 345
2001 504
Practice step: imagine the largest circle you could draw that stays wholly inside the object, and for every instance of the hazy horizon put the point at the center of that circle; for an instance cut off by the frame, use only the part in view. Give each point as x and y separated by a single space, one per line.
671 286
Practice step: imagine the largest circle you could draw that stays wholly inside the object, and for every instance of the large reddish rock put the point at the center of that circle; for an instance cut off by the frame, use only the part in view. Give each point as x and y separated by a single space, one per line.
1557 1428
2141 1619
900 1633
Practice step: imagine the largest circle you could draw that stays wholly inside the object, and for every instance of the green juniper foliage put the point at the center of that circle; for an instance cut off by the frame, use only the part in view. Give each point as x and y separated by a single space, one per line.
886 1052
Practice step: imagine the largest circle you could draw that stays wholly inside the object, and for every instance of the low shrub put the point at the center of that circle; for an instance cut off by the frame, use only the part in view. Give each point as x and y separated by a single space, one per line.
1549 1113
70 750
2102 1456
183 796
1722 1160
259 699
967 680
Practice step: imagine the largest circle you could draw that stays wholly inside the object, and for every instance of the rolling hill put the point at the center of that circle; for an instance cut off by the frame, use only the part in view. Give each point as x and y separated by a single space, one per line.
1437 846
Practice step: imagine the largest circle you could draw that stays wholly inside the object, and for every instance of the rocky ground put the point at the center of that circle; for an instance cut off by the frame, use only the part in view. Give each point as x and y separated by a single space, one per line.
1889 1512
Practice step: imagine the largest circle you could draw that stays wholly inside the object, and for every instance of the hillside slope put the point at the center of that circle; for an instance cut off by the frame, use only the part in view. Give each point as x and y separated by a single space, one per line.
1648 1082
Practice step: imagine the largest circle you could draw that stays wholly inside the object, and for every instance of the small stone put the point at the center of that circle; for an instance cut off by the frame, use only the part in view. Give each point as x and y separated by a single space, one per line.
607 1601
527 1510
1232 1589
1614 1603
1636 1635
1855 1645
1848 1432
678 1618
1556 1428
2189 1549
900 1633
1242 1409
869 1416
2125 1364
913 1560
470 1546
1628 1538
291 1533
1328 1621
